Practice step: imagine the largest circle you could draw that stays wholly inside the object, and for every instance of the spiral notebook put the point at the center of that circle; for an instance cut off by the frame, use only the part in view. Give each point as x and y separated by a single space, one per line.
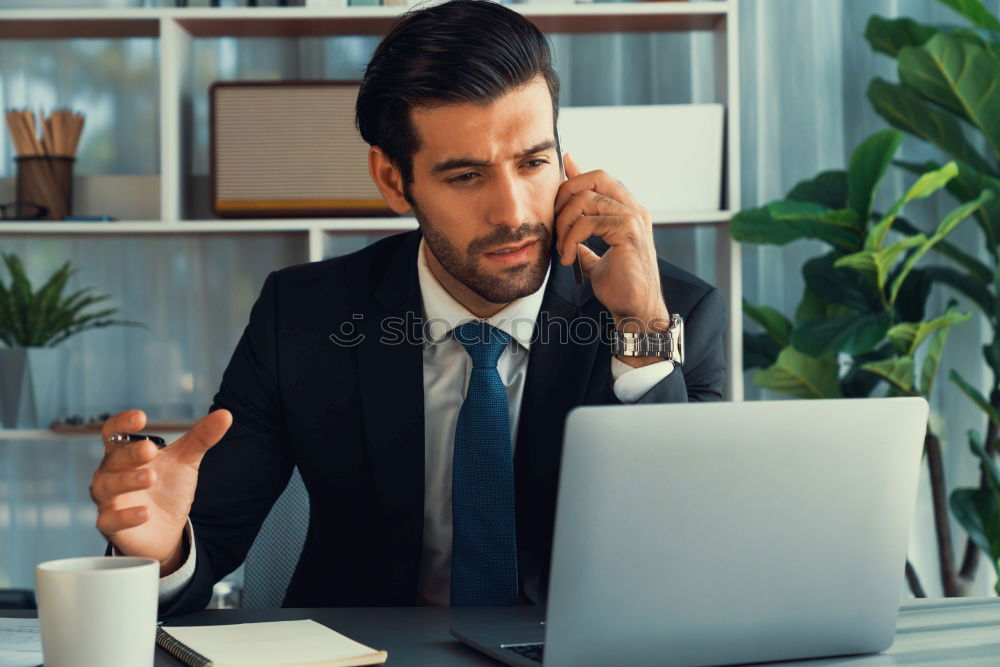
268 644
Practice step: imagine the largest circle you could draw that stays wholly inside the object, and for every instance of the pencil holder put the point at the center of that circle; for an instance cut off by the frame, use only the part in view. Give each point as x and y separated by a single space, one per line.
46 181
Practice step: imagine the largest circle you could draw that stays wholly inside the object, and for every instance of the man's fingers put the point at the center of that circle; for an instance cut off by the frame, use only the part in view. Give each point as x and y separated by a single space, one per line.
114 521
585 203
597 181
583 229
191 447
588 259
128 421
572 170
129 455
109 485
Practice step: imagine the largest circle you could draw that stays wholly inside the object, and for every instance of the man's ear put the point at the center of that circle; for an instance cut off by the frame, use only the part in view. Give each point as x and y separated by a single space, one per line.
388 180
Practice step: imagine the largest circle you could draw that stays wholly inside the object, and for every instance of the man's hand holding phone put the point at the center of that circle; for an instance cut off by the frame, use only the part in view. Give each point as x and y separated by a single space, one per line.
144 493
626 278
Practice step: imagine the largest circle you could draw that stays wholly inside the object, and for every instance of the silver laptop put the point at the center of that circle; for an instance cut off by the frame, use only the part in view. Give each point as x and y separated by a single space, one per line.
720 533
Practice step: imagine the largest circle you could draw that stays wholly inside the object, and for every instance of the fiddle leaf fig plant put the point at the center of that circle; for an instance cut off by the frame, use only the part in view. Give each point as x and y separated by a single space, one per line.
46 317
861 323
863 293
947 94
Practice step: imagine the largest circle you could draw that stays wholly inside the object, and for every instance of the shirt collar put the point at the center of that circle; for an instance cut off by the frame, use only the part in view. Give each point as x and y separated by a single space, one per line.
443 313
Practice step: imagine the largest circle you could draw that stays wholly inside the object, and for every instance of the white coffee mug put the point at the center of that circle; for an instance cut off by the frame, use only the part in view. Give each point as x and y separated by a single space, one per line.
98 611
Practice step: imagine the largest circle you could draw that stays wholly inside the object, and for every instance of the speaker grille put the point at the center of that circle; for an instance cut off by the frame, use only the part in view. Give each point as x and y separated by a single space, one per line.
290 147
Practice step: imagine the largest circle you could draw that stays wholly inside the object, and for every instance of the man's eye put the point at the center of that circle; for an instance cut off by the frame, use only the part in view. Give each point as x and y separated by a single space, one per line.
537 162
467 177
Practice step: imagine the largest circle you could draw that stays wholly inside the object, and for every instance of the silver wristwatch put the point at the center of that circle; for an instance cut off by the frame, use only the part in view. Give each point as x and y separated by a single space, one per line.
669 344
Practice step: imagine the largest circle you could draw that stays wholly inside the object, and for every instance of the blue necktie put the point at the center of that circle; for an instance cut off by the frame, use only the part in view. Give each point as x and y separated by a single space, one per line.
484 537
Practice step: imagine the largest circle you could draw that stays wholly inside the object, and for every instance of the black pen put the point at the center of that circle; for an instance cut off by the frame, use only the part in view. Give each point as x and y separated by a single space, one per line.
136 437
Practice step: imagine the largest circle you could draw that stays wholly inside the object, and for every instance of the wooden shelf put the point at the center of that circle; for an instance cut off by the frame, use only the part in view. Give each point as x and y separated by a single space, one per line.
63 27
309 22
586 18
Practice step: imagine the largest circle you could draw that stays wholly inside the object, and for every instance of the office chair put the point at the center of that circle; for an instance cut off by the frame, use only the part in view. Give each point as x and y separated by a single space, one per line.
273 556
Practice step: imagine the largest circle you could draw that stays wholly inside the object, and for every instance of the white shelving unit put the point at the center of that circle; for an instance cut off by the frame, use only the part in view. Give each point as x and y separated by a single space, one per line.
176 28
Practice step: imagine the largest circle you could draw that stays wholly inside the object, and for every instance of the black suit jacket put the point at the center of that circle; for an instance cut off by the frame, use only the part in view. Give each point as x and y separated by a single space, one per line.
351 416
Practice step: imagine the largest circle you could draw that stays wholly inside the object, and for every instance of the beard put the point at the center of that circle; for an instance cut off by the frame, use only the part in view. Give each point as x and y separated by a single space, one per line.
466 267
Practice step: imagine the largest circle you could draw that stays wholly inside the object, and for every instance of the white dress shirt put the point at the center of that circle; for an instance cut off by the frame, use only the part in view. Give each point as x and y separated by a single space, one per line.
447 367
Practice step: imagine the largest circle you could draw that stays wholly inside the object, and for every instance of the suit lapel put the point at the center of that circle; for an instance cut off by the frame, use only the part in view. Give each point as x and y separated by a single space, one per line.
392 386
559 368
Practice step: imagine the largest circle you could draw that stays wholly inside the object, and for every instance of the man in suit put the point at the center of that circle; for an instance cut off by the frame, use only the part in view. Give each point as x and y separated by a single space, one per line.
421 385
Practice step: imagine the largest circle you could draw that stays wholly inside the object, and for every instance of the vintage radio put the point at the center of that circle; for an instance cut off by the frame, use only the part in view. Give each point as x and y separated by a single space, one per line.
289 149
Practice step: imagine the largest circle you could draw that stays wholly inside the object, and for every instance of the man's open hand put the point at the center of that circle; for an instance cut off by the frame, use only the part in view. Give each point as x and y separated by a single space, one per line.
143 493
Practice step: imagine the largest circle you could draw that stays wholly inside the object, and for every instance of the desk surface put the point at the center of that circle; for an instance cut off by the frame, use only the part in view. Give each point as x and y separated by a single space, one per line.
943 632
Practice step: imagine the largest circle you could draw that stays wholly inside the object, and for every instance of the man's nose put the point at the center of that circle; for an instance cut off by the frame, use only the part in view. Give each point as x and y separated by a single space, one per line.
509 202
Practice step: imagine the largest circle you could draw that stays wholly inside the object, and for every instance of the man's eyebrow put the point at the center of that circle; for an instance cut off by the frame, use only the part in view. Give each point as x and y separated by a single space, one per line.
464 162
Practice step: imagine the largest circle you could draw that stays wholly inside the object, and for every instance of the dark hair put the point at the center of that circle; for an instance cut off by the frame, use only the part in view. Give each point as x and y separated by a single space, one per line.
455 52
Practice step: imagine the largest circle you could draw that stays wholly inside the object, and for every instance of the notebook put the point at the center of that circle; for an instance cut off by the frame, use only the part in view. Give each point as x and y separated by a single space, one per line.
269 644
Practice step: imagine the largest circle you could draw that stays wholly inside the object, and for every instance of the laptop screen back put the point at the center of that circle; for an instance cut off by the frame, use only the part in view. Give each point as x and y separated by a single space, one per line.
696 534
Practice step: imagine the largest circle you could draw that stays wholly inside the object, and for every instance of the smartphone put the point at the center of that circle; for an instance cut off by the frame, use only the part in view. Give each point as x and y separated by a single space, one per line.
577 263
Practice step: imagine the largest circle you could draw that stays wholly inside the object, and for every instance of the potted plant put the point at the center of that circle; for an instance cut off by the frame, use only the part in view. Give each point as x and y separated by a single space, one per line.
861 323
32 325
947 95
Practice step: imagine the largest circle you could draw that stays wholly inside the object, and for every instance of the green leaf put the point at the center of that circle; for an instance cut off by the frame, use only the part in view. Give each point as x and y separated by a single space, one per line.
868 164
975 11
780 222
796 374
975 396
890 35
812 306
21 297
858 383
960 76
989 462
839 286
854 334
978 510
964 284
759 350
925 186
966 186
47 299
945 227
828 189
903 108
976 268
879 262
774 323
991 352
932 362
6 316
898 372
906 337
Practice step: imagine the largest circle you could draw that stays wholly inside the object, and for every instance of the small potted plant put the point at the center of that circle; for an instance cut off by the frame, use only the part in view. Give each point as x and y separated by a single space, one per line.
32 325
